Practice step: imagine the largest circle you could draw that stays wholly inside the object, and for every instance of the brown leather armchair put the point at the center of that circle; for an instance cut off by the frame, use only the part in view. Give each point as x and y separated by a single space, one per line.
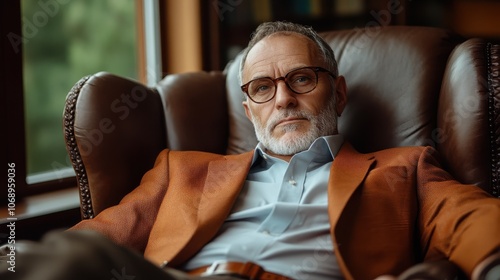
406 86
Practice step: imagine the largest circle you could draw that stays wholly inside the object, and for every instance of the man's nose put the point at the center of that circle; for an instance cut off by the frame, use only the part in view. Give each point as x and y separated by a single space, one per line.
285 97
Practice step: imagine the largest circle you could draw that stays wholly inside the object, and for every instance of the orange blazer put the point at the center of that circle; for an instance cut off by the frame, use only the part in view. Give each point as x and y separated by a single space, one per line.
388 210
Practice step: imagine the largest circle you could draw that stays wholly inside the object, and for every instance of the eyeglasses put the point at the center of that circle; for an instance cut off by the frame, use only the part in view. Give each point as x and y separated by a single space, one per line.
301 80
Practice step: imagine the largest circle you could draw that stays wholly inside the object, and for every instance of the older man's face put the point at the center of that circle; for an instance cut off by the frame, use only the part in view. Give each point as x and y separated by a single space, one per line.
290 122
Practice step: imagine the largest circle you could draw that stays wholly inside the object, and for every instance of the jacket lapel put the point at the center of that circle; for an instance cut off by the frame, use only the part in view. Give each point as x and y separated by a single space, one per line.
223 184
347 173
193 213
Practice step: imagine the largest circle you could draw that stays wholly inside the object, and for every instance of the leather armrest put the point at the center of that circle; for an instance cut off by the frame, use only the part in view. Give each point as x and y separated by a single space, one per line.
7 255
4 250
433 270
429 270
488 269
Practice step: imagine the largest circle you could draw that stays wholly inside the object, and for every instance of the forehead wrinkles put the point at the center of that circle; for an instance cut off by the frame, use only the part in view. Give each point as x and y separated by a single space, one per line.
278 54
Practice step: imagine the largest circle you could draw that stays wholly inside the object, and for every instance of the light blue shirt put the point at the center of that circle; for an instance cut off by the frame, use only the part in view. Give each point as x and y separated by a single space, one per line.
280 220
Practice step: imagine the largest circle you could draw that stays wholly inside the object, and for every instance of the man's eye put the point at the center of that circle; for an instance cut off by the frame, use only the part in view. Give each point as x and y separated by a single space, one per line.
262 88
302 80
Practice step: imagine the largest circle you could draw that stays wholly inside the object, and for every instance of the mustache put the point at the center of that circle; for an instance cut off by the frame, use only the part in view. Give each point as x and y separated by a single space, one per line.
275 120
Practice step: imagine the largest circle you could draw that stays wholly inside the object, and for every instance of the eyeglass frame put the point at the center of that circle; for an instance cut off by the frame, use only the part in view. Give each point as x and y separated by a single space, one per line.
315 69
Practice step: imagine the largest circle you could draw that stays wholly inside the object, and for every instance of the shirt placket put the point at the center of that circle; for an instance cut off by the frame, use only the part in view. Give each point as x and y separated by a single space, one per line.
287 205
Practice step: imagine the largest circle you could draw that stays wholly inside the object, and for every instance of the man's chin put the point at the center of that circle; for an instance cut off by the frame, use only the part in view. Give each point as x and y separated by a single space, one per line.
291 131
293 128
290 143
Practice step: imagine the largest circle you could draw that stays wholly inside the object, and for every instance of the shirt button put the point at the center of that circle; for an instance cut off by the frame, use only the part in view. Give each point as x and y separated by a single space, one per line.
292 182
266 232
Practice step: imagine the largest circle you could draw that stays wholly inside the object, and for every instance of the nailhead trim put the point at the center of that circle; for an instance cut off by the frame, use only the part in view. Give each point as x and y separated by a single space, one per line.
73 151
493 55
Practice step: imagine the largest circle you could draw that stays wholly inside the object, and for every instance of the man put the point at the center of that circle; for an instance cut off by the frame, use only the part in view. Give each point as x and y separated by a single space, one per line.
303 205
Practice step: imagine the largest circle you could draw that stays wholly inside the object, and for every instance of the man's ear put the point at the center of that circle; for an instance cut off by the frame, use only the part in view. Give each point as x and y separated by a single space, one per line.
247 110
341 94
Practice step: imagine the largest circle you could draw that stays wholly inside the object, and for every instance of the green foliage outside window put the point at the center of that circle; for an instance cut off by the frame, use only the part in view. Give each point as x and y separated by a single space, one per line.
64 40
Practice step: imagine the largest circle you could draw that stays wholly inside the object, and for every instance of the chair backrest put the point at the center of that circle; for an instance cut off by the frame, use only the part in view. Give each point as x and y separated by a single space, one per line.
406 86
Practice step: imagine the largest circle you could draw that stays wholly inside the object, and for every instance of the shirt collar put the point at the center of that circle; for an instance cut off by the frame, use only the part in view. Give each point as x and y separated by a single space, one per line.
323 146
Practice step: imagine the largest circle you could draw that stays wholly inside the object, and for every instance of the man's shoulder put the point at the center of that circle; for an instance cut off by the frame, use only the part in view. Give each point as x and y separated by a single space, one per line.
403 150
408 154
393 150
202 156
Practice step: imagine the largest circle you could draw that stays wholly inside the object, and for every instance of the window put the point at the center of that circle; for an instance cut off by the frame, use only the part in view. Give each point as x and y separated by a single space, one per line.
50 45
64 41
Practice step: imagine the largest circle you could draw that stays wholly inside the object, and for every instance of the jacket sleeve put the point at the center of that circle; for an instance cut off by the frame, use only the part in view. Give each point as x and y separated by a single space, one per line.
456 221
129 223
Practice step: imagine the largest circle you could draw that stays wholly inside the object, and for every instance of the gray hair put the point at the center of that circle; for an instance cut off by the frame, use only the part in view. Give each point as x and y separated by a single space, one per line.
268 28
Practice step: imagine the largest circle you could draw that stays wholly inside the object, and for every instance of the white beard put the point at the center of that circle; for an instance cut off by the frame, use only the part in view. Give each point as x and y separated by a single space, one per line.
325 123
